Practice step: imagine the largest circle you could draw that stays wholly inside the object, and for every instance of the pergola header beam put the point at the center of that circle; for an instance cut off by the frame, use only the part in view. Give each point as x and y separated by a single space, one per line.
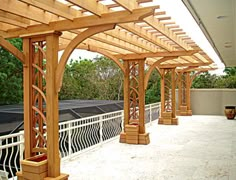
157 54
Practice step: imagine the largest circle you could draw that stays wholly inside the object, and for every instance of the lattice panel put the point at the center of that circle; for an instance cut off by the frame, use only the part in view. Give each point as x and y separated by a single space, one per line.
134 92
38 96
168 87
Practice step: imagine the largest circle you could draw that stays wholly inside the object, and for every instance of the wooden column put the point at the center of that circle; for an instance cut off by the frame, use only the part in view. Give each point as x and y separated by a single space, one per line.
126 94
184 84
168 107
27 49
41 108
141 98
188 97
134 103
52 42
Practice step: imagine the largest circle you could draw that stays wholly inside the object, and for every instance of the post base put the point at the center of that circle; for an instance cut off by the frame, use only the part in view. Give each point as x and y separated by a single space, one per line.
183 111
36 168
168 121
61 177
19 175
136 139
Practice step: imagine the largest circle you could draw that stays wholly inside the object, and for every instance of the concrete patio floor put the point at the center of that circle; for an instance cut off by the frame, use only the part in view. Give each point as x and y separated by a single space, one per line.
200 147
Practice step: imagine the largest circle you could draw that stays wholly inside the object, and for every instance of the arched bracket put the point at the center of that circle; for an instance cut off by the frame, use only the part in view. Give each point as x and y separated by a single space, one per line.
105 53
195 75
72 45
153 66
12 49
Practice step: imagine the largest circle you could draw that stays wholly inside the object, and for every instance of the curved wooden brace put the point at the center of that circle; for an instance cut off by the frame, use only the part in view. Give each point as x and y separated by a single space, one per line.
12 49
195 75
72 45
107 54
99 50
153 66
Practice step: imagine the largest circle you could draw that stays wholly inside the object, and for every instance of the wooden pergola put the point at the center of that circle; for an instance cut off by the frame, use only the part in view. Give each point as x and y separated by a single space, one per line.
136 34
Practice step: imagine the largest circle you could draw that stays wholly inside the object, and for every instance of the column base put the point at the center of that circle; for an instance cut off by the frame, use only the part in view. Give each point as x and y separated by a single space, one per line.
36 168
184 113
168 121
61 177
136 139
20 176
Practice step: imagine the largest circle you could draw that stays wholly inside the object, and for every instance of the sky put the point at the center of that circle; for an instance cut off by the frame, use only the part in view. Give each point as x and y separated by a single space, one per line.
177 10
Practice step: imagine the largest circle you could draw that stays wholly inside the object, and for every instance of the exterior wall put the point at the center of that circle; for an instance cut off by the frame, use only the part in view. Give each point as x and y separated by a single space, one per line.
211 101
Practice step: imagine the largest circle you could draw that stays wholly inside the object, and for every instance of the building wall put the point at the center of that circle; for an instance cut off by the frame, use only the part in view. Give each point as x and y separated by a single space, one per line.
211 101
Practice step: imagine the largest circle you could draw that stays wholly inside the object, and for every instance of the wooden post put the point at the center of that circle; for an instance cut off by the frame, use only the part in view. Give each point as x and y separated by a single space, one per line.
174 120
188 97
141 97
184 108
126 94
52 41
168 107
27 97
162 95
134 103
180 74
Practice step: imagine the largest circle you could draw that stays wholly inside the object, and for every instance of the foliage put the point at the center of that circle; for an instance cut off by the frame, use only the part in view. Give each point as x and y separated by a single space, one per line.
92 79
206 80
153 92
11 75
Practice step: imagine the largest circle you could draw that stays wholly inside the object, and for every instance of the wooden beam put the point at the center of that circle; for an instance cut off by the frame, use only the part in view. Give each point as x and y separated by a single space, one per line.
156 24
128 5
23 10
182 65
12 22
12 49
157 54
92 6
153 66
136 41
86 22
141 32
73 44
54 7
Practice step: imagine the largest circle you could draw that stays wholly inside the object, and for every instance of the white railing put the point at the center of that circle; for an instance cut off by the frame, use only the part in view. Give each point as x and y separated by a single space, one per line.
75 136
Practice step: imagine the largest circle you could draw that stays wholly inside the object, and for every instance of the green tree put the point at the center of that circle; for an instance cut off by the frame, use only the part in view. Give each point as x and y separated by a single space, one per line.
230 71
79 81
205 80
153 92
11 75
109 79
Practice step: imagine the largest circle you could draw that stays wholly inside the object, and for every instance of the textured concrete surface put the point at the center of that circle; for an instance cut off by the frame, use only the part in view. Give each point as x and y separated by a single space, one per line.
199 148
